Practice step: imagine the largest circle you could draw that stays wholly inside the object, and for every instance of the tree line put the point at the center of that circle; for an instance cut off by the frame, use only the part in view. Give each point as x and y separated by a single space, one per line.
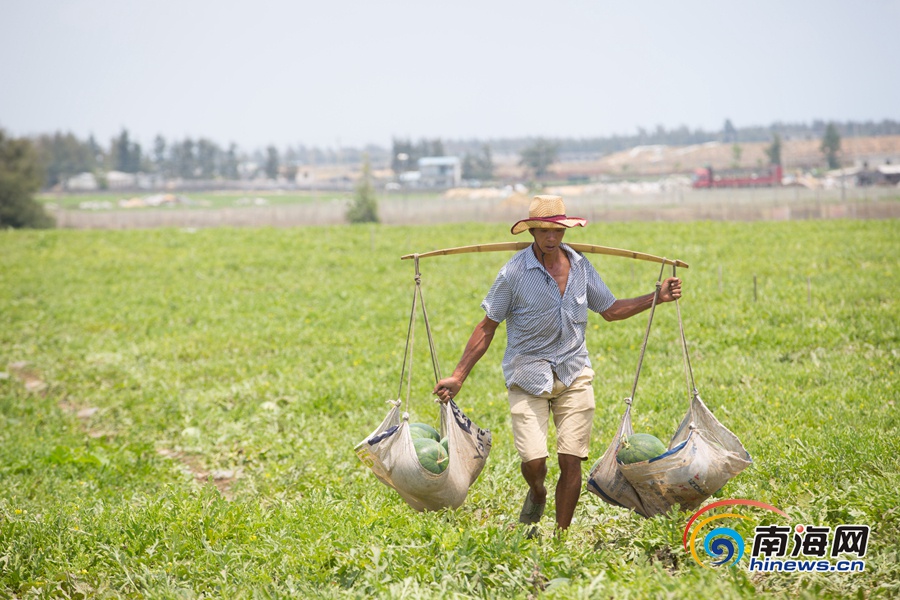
684 136
63 155
26 165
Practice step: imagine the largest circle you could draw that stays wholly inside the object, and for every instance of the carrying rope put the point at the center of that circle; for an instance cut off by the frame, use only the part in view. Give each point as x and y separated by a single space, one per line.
637 375
408 352
688 371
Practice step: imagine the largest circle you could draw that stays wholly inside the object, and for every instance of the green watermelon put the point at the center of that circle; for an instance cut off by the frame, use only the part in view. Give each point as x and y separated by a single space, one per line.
445 442
423 430
431 455
639 447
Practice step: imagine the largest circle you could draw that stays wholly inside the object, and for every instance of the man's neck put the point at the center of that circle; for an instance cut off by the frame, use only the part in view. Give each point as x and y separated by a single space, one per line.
550 259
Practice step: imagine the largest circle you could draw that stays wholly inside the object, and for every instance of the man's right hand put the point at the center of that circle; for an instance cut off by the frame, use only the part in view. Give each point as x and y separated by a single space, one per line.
447 388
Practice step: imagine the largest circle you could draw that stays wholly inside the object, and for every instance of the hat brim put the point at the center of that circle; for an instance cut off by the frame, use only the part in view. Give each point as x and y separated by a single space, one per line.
558 222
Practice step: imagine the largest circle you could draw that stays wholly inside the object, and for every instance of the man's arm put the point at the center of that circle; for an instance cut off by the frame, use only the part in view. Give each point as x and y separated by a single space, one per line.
623 309
478 343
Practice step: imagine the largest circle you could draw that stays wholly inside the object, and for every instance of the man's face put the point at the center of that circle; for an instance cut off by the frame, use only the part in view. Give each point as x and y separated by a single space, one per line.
548 240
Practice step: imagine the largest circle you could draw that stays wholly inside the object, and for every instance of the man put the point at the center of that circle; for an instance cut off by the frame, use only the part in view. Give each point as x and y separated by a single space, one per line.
544 293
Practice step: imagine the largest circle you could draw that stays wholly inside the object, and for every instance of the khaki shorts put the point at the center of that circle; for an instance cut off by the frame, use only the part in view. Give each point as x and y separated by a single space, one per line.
573 415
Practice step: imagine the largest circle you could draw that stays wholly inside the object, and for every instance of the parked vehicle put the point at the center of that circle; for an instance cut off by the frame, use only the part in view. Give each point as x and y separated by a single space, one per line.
707 178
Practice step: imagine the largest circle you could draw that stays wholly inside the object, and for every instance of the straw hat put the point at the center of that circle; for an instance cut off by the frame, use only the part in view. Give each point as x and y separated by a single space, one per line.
547 212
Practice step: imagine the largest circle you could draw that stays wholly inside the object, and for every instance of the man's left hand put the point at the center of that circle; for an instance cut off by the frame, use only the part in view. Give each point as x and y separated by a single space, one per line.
670 290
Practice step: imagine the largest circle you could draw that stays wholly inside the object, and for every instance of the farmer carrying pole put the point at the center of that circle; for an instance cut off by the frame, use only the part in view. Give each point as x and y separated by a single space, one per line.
544 293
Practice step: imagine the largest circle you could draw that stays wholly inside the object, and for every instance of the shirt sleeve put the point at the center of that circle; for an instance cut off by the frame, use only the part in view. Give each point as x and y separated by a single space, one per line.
599 297
498 301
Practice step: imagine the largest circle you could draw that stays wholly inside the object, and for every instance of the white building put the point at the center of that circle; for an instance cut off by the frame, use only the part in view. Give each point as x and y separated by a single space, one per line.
440 171
83 182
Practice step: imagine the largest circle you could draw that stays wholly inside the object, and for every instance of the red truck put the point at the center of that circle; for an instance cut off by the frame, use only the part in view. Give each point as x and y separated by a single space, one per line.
707 178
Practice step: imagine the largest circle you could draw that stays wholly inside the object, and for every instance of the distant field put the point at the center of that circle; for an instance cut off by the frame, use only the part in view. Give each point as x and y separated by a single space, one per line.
178 410
105 201
218 199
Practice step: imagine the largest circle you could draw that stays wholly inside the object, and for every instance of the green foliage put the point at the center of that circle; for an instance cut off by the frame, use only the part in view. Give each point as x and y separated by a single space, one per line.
364 208
64 155
273 162
125 155
185 422
736 153
480 166
773 151
831 146
184 159
405 154
729 133
539 156
20 178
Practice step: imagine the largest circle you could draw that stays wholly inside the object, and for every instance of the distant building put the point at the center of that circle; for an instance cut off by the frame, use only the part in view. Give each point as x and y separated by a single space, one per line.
117 180
83 182
440 171
886 174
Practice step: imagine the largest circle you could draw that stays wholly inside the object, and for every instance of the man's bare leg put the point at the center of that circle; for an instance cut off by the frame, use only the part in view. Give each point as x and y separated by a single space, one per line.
535 473
568 489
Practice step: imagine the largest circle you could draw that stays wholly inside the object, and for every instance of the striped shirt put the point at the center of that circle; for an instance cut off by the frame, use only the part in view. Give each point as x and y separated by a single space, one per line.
545 331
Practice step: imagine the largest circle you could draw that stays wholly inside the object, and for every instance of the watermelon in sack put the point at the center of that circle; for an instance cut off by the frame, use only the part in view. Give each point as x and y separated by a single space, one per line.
639 447
423 430
431 455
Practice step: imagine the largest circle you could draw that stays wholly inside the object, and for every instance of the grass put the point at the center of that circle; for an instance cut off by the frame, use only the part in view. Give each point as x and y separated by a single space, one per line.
183 422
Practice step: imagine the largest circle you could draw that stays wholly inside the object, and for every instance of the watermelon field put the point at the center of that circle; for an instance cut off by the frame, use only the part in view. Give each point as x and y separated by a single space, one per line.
179 408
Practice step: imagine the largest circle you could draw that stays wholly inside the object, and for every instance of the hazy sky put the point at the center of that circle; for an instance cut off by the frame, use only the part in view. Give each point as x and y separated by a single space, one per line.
358 72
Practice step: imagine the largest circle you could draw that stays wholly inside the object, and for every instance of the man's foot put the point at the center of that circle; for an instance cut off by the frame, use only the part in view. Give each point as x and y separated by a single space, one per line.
531 511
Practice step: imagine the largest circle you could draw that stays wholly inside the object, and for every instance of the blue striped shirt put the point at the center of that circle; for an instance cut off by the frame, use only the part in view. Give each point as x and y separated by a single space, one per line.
545 332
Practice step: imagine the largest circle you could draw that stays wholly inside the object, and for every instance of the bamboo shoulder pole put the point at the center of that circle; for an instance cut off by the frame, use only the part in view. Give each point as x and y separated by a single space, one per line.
584 248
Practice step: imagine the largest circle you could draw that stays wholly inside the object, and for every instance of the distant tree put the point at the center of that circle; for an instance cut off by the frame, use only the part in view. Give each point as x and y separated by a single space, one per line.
230 162
272 162
436 148
422 149
97 154
291 164
20 177
729 133
159 155
404 156
118 151
364 208
480 166
539 156
736 153
184 160
124 154
831 146
207 158
64 155
642 136
774 150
